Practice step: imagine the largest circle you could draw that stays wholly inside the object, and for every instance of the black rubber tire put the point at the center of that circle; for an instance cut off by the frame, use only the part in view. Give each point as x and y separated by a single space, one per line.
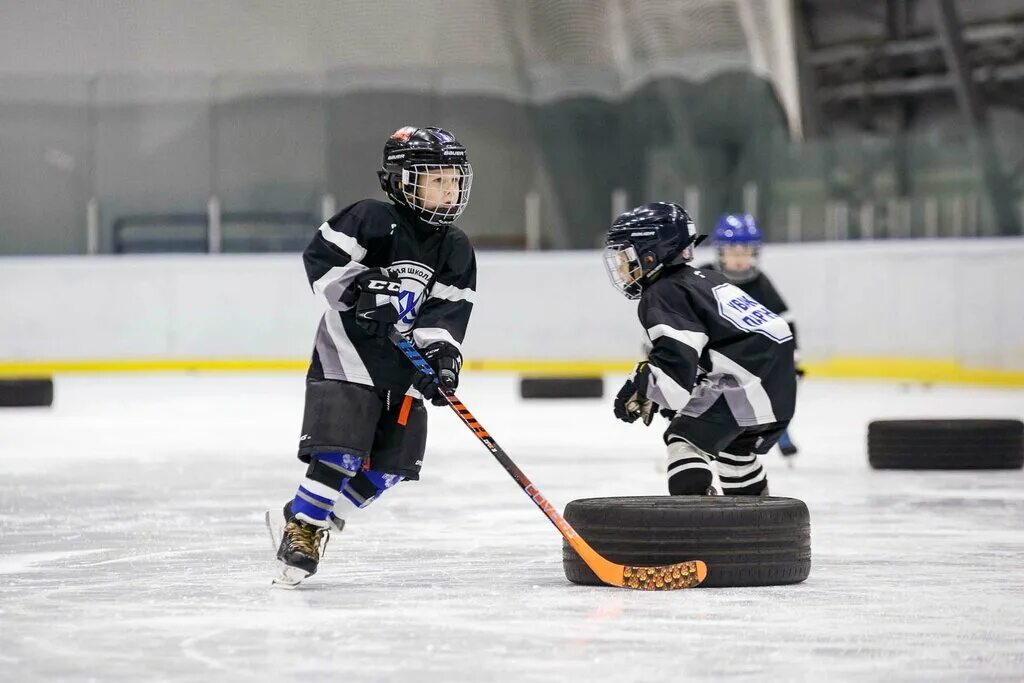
561 387
946 444
745 540
26 393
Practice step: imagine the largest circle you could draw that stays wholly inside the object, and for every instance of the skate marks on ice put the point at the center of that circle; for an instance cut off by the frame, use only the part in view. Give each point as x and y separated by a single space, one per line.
157 560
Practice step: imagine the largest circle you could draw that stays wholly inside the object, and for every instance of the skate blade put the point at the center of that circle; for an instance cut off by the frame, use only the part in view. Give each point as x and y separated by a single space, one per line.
288 578
276 530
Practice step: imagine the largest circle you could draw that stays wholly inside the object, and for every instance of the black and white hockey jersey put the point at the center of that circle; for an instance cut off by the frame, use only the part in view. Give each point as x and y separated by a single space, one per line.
712 340
761 289
437 267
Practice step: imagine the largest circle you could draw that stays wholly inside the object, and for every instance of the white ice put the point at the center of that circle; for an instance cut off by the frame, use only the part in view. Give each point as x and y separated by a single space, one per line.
132 547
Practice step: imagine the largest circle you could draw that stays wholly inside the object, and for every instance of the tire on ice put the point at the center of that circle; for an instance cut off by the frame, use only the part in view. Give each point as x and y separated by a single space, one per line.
745 540
26 392
561 387
946 444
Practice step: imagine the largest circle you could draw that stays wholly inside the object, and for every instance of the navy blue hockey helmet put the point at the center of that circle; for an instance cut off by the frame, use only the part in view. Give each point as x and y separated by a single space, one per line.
738 241
427 170
642 241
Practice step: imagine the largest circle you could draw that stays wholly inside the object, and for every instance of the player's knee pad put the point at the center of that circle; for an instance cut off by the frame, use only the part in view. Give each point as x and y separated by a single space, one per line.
741 474
319 490
689 470
367 485
332 469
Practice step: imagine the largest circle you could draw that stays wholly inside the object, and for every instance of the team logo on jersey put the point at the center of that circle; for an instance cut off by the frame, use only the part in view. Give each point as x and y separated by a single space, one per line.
407 307
750 315
415 277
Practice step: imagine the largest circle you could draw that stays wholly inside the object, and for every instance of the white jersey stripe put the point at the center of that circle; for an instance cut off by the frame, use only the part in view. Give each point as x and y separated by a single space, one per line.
452 293
335 281
665 391
425 336
346 243
351 364
695 340
750 383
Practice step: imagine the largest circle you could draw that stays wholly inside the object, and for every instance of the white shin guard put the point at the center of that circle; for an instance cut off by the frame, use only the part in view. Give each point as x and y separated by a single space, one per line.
689 469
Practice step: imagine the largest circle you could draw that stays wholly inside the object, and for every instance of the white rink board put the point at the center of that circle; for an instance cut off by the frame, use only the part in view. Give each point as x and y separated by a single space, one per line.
132 547
947 300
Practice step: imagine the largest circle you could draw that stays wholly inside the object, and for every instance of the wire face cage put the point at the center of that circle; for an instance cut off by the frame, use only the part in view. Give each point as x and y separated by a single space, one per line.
438 192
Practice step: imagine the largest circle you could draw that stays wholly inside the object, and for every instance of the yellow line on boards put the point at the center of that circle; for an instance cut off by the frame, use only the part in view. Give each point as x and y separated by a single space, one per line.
913 370
561 368
900 369
51 367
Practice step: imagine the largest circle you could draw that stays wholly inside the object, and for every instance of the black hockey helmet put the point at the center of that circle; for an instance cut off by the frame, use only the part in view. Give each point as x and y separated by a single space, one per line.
427 170
642 241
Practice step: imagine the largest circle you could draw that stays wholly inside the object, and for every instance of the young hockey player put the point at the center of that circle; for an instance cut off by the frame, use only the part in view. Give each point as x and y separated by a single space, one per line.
700 324
737 240
380 265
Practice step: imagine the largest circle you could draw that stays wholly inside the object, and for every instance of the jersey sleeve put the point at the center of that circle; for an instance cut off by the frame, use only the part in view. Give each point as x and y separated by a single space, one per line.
334 257
777 305
678 338
449 304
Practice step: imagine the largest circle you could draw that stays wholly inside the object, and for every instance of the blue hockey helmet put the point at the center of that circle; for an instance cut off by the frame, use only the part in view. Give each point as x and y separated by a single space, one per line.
735 228
738 241
643 240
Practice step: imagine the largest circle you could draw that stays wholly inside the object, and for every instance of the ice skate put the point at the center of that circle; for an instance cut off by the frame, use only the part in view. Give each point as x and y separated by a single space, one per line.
299 546
786 445
787 448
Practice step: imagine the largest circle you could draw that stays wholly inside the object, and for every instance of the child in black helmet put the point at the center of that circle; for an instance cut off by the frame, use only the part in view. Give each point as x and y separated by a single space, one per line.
379 265
720 360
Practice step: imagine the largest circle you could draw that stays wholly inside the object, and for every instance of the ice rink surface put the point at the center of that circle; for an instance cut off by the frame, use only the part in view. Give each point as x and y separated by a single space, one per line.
132 547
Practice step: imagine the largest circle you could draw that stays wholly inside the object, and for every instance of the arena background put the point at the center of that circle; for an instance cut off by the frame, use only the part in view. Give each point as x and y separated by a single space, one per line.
164 162
235 127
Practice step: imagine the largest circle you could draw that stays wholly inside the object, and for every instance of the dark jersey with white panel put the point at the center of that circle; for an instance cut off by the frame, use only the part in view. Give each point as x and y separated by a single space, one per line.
710 341
437 267
761 289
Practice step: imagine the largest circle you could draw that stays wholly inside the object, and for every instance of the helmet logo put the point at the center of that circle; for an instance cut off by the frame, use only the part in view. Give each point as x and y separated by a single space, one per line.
428 171
403 133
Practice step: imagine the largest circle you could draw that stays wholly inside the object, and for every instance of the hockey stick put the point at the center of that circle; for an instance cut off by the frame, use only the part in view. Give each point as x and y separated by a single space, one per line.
663 577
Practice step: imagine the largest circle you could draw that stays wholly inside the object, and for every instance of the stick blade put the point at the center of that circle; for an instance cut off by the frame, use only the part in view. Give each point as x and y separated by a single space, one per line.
668 577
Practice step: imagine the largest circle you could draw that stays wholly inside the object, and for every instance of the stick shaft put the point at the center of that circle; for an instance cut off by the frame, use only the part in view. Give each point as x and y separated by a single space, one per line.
487 440
607 571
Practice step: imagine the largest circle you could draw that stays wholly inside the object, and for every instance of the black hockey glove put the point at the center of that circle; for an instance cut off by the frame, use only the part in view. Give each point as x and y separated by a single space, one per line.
375 306
631 402
446 362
